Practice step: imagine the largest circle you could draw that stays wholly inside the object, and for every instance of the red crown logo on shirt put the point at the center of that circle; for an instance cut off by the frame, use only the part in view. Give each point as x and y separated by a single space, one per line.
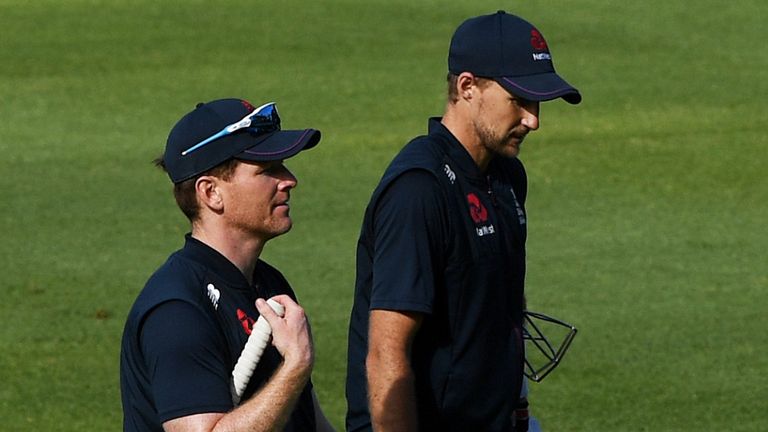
477 210
245 321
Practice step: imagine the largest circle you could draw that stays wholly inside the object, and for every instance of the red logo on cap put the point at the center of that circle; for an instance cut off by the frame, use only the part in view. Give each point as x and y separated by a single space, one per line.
247 105
537 41
476 209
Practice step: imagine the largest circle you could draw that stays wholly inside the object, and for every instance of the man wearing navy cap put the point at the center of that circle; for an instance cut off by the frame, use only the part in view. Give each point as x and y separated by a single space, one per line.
187 328
435 337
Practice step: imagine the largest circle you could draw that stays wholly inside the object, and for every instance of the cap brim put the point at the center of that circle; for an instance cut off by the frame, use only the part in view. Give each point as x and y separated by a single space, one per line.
540 87
280 145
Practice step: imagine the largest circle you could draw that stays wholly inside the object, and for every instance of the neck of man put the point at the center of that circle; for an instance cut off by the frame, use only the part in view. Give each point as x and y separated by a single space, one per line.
241 250
458 121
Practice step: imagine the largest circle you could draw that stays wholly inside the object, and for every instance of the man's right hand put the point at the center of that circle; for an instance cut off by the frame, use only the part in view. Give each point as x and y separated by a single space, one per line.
291 334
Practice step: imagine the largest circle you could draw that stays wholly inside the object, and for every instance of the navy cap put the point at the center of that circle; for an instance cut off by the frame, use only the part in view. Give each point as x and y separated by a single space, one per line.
511 51
190 151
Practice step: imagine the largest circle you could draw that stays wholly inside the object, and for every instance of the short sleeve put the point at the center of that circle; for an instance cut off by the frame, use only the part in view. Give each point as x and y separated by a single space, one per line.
182 350
409 233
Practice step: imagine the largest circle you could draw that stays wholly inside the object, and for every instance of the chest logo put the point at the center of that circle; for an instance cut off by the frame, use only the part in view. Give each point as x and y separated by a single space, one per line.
479 215
477 210
214 294
245 321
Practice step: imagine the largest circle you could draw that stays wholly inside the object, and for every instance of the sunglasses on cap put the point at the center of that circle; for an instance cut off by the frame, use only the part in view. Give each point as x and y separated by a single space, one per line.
263 119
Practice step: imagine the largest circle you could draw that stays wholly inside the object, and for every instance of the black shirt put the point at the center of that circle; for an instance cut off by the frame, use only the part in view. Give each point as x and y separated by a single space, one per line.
184 335
441 238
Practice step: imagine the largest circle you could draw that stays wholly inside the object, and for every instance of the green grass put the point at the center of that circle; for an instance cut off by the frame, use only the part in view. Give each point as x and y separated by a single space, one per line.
647 202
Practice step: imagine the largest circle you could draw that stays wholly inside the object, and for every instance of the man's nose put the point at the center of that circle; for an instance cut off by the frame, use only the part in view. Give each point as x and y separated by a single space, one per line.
531 116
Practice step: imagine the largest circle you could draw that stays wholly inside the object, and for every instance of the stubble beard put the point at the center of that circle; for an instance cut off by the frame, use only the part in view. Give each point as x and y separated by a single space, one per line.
498 145
266 228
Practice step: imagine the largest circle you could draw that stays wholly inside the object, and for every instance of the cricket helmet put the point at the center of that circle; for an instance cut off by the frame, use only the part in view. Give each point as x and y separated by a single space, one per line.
544 353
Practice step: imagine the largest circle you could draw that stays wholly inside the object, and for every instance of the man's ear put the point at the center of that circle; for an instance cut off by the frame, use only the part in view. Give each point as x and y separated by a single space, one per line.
466 85
208 193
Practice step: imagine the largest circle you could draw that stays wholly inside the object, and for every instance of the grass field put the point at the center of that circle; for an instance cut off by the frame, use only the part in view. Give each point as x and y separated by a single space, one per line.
647 202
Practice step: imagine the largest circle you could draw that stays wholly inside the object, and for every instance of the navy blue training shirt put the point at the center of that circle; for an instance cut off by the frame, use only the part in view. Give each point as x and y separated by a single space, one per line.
184 335
441 238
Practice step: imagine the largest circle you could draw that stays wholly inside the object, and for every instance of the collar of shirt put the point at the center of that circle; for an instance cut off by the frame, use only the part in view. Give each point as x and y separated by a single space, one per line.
217 263
456 151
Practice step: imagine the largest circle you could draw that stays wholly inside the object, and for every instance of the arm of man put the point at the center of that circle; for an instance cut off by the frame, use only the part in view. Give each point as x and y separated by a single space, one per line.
270 408
409 234
267 410
391 391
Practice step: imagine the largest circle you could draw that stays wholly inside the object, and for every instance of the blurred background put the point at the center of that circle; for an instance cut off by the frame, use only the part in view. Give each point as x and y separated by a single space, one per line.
646 204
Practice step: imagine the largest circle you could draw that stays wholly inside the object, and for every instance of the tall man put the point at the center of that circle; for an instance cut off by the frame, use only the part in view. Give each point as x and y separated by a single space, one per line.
435 334
188 326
